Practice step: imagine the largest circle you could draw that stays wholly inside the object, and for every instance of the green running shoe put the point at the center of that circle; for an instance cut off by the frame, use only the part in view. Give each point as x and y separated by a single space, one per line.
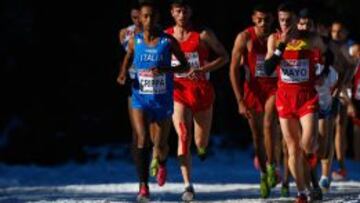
202 153
154 167
271 175
284 192
264 187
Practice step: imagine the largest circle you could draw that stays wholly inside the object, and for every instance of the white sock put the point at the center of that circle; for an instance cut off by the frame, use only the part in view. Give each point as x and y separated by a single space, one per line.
324 177
303 192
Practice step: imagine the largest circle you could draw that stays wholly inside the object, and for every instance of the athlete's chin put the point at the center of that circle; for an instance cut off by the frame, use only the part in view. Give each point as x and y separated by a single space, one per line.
263 29
182 23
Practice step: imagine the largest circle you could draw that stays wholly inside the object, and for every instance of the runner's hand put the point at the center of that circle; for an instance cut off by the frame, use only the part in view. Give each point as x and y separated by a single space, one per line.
156 71
351 111
121 79
193 73
243 110
320 80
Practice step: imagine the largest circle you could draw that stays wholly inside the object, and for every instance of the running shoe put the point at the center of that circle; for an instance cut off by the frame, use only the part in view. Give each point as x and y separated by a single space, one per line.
189 194
143 195
202 153
256 163
161 175
339 175
264 187
273 176
315 195
301 198
324 183
154 167
284 191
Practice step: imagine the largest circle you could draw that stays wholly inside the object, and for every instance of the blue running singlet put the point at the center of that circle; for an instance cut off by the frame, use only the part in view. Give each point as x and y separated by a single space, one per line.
153 94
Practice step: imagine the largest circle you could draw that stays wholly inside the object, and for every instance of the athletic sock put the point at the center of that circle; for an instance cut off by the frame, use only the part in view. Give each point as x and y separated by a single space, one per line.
188 184
314 179
341 164
142 161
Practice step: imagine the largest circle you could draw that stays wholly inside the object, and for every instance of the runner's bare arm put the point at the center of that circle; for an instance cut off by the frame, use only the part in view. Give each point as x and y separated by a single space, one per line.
235 65
273 55
127 61
122 36
271 46
222 56
326 56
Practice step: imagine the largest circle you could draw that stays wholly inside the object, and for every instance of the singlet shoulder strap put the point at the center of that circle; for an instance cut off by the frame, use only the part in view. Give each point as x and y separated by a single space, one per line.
170 30
252 33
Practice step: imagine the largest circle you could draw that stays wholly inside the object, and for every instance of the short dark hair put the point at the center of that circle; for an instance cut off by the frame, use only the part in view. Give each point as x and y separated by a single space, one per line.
151 3
180 3
135 5
261 8
304 13
287 7
338 21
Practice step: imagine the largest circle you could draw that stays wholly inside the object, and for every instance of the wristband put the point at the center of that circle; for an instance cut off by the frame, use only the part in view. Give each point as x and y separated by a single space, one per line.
280 49
278 52
281 46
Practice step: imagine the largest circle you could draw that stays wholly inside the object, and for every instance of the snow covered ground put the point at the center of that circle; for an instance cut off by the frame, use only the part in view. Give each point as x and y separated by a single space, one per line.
227 176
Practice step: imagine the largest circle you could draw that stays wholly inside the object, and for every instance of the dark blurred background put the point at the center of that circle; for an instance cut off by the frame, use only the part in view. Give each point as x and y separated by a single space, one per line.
59 61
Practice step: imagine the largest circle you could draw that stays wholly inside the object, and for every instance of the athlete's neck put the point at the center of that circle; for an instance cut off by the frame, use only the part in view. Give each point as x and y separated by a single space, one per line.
151 34
182 29
260 33
181 32
138 29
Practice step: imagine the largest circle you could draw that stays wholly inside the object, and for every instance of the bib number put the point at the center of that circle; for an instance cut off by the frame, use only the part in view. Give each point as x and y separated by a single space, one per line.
260 67
294 70
150 84
193 60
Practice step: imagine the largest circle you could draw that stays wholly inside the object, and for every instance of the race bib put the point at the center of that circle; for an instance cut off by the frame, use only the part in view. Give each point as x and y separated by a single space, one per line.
294 70
150 84
260 68
357 92
193 60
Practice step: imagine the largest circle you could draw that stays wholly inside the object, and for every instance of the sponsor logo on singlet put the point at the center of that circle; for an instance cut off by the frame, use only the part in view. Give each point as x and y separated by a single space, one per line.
294 70
260 68
150 83
151 55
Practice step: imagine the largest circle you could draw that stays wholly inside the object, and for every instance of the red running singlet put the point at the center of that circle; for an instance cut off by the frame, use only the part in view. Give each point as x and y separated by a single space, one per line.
196 93
258 86
296 95
356 95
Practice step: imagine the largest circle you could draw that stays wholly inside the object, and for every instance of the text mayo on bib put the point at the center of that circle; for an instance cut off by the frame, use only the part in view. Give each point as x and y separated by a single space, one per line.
294 70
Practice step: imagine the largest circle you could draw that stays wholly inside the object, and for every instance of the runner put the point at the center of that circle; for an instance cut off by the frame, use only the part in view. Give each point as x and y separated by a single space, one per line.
152 101
326 108
295 55
124 36
354 106
193 93
338 45
256 97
